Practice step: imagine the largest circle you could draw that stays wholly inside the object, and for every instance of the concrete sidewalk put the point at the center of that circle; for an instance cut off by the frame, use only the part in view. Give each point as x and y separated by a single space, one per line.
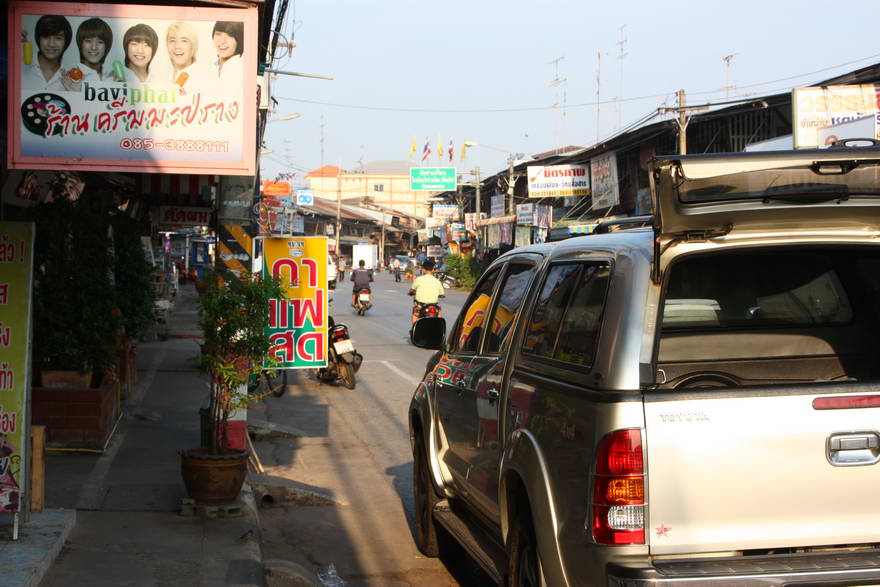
127 500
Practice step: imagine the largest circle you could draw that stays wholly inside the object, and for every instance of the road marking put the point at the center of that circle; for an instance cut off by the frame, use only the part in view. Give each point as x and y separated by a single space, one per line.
403 374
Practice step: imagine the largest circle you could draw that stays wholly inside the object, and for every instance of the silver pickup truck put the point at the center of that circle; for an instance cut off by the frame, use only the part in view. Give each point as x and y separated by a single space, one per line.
691 398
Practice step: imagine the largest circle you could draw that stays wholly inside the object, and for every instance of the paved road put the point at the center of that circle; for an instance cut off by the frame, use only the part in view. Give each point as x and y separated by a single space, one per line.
353 448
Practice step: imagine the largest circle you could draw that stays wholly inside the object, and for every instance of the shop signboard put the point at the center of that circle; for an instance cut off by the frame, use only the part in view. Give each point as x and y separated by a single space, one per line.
434 222
525 214
432 179
276 188
818 107
298 322
496 205
558 181
603 171
450 211
305 198
16 275
117 110
184 216
470 220
435 251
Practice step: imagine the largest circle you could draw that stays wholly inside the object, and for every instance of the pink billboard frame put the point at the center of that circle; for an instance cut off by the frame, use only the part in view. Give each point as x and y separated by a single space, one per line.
248 16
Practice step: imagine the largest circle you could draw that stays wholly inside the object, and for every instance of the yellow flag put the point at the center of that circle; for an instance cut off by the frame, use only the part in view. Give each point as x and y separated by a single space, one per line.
464 147
413 148
439 148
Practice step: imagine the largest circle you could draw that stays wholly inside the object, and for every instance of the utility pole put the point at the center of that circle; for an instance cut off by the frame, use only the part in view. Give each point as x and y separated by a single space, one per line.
510 184
338 209
620 55
682 120
727 85
558 82
598 91
477 175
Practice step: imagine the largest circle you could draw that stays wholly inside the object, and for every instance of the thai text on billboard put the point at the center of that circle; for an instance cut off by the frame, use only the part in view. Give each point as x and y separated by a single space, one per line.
816 108
108 87
16 250
445 211
298 323
603 171
558 181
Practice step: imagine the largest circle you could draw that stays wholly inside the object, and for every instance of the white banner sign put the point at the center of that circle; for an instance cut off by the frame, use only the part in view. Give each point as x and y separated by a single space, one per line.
496 207
816 108
525 214
558 181
603 171
444 211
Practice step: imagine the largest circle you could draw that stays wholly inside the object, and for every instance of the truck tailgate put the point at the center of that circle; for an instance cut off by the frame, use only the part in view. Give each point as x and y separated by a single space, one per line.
753 470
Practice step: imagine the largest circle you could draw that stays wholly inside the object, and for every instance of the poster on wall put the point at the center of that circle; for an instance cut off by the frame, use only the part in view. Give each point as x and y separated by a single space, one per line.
108 87
298 323
16 274
603 171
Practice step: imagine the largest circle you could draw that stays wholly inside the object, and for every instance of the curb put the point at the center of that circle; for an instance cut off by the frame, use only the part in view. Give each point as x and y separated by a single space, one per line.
26 561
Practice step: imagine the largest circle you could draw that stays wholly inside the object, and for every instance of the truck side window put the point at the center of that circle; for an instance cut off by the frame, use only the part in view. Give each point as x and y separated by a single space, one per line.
580 327
470 327
549 309
510 298
568 313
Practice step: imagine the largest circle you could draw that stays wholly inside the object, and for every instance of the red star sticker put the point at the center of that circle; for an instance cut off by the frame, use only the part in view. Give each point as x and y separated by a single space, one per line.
663 530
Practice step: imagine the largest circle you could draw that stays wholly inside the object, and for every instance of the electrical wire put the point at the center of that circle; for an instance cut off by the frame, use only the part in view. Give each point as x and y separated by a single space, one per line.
544 108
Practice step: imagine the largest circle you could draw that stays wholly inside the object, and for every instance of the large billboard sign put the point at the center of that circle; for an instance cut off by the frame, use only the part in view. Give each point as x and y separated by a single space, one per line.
558 181
298 323
432 179
817 108
109 87
16 275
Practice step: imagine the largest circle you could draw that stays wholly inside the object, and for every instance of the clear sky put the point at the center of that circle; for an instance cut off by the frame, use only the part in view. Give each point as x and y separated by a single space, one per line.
484 70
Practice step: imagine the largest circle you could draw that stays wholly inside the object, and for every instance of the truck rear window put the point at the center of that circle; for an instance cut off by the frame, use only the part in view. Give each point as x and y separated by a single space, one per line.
756 290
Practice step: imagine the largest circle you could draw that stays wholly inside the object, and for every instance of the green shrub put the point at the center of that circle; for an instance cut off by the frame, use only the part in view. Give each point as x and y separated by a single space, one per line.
465 268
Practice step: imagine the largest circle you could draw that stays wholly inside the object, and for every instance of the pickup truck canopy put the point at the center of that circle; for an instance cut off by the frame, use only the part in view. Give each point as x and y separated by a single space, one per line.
819 190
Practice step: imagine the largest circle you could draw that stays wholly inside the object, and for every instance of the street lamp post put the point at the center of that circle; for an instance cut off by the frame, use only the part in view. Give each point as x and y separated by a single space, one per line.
511 158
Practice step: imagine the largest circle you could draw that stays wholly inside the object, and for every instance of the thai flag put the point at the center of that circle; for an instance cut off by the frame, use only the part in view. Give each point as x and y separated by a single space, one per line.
426 150
451 151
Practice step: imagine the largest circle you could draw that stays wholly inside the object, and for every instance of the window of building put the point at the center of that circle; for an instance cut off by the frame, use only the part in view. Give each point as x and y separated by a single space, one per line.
379 187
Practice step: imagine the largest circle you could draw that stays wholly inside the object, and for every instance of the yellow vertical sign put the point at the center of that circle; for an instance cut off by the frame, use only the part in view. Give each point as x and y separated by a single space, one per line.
298 323
16 275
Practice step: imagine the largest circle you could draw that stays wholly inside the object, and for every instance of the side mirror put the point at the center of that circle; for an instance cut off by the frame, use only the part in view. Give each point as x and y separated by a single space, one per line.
429 333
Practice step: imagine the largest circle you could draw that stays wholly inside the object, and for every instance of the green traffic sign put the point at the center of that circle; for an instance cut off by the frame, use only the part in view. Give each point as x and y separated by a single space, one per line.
432 179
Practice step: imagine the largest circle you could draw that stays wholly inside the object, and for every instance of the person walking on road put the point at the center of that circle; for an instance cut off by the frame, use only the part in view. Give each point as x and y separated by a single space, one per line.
362 279
395 268
427 289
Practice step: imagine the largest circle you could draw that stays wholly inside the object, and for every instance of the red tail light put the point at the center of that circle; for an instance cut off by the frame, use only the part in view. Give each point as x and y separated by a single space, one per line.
432 310
618 512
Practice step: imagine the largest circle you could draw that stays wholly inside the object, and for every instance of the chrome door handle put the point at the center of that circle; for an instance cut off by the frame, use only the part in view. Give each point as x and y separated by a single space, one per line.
493 394
849 449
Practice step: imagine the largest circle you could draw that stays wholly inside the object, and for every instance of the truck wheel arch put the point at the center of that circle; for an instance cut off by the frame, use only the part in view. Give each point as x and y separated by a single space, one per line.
525 482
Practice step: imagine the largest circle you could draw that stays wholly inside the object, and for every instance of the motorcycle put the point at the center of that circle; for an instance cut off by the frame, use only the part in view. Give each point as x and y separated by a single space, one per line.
447 280
363 302
343 361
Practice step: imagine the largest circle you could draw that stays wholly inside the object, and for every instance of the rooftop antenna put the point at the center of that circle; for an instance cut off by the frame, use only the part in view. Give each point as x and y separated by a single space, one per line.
558 82
727 85
620 55
598 91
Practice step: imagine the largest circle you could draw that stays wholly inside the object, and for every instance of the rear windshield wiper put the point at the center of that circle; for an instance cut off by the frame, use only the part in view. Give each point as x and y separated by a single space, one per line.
806 193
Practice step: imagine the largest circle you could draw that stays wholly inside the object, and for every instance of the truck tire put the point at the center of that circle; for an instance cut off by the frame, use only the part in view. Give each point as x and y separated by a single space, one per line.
425 498
524 562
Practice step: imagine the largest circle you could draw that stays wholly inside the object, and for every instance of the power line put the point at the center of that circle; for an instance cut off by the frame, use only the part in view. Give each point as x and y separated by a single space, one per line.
551 107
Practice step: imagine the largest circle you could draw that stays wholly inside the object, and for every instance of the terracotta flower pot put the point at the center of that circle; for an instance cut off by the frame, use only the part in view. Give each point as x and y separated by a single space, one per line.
213 478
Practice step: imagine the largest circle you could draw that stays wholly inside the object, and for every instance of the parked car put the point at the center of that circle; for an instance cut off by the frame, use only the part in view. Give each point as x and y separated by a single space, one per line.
693 402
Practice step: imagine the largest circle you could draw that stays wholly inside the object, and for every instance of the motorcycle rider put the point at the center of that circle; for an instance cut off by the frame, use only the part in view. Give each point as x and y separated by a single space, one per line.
427 289
362 279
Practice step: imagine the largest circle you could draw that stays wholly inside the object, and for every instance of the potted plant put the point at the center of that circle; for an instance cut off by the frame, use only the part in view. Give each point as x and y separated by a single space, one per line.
233 315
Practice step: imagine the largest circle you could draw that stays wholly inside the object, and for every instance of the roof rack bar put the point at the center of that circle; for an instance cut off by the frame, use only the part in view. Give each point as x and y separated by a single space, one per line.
618 223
